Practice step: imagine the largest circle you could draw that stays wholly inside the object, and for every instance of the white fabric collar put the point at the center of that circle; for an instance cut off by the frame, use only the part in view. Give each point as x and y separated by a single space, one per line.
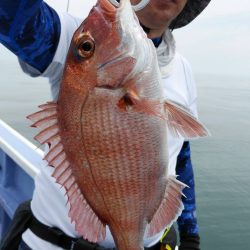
166 53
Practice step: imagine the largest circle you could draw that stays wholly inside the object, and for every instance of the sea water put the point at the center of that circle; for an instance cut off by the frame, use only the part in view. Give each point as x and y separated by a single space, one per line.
222 163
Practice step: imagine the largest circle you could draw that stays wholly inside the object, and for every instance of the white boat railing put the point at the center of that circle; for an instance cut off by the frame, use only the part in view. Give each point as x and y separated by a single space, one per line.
22 151
20 161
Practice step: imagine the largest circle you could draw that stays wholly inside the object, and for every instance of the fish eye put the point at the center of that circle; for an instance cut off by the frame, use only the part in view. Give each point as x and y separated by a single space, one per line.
85 46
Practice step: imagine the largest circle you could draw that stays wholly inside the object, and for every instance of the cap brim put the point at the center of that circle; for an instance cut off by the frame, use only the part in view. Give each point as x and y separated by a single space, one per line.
192 9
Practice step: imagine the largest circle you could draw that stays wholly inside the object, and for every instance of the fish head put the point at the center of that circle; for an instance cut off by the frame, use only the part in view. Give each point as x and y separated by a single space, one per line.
108 48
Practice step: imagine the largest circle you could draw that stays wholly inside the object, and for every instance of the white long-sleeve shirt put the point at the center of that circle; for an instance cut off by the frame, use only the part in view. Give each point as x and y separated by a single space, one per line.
49 201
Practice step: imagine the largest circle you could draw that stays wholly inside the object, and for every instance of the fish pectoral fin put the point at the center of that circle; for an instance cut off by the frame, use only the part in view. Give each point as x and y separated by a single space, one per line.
181 122
86 221
170 208
131 101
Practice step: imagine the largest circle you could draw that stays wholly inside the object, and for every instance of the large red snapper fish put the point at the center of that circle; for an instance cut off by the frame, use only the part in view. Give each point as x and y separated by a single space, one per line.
107 133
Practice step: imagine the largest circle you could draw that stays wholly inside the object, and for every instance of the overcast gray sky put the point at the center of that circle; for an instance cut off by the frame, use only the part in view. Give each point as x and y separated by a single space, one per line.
217 42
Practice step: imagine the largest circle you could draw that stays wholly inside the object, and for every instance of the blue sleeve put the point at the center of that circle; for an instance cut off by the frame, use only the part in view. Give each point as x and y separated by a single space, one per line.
187 222
31 30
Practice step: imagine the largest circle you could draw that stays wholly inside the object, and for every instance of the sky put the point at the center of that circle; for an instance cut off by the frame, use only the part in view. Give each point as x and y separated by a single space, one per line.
217 42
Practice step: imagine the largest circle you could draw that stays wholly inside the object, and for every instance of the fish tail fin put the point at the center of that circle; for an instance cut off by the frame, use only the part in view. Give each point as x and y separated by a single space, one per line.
170 208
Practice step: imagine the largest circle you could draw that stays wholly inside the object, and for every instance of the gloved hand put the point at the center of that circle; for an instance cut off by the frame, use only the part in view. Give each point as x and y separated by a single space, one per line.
169 239
189 242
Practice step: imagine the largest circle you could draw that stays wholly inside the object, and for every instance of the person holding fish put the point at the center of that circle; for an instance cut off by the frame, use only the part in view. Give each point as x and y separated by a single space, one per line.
117 131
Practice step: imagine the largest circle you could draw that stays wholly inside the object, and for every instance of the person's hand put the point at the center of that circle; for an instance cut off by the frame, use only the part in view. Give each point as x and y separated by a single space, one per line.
169 239
189 242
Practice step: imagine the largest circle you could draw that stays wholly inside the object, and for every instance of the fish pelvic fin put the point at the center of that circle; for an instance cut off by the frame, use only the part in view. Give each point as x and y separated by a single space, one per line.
181 122
86 221
170 207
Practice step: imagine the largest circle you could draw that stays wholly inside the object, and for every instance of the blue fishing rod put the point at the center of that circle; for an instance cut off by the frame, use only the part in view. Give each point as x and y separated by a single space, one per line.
67 5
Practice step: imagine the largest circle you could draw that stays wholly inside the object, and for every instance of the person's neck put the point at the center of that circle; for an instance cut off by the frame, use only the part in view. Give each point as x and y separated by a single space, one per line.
155 33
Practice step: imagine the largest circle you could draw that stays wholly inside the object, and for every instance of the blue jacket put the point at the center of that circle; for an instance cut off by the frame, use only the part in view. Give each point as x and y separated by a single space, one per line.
31 30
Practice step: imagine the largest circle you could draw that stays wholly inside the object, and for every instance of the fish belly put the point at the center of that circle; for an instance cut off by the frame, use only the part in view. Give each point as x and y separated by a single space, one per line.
126 158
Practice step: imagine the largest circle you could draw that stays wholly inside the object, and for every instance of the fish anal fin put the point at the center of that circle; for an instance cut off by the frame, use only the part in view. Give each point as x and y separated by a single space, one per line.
170 208
181 122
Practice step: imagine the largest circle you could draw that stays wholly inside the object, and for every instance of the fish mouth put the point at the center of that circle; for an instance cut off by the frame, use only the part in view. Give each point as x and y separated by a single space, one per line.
133 41
106 6
121 10
110 5
113 5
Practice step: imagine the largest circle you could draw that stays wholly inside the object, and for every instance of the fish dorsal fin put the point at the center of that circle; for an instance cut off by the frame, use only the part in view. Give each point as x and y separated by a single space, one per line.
86 221
181 122
170 208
